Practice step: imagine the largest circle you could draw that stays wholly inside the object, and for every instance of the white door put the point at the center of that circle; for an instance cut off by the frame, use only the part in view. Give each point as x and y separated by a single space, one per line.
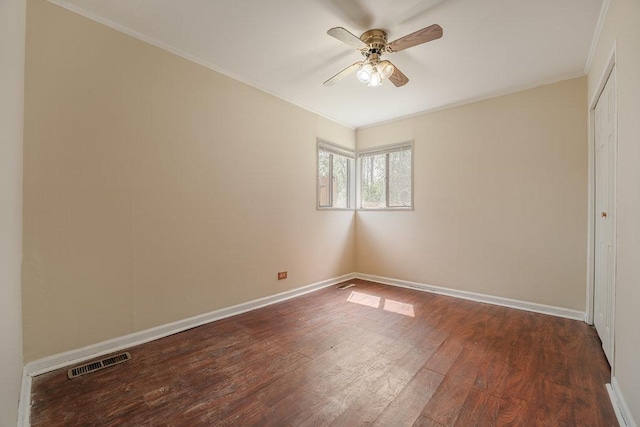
605 212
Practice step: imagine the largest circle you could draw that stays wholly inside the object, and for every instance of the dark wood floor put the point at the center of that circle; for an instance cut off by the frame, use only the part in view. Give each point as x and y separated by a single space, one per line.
371 354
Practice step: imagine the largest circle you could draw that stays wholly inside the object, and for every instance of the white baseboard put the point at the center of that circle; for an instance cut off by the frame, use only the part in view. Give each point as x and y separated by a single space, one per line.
92 351
24 404
625 419
72 357
488 299
60 360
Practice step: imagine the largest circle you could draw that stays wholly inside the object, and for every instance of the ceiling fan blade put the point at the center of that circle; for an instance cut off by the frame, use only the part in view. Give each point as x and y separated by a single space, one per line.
398 78
350 69
346 37
424 35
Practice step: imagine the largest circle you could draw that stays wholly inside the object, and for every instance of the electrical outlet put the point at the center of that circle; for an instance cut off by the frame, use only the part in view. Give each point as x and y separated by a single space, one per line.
282 275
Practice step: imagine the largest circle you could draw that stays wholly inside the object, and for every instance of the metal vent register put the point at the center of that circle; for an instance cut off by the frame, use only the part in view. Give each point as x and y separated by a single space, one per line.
346 286
90 367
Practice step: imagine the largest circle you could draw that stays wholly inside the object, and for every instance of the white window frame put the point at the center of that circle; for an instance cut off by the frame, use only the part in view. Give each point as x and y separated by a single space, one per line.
350 154
386 150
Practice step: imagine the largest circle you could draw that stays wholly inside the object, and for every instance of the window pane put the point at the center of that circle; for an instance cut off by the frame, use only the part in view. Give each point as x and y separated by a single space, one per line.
336 181
400 178
373 181
323 178
340 181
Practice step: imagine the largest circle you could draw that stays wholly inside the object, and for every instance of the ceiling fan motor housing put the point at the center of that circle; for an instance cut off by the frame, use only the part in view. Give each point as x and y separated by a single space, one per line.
376 40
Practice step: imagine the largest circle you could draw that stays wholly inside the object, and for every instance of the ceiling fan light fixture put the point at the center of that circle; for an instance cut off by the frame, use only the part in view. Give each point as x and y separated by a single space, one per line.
364 73
372 44
376 78
386 69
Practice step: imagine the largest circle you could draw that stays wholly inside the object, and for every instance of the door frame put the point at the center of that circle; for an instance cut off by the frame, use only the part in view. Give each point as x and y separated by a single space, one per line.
610 70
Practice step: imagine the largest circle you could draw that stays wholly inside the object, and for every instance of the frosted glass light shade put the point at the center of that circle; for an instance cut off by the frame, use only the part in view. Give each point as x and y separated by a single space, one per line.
364 73
386 69
376 78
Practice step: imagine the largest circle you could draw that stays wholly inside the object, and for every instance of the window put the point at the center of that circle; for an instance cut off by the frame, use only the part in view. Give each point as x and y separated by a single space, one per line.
336 177
386 177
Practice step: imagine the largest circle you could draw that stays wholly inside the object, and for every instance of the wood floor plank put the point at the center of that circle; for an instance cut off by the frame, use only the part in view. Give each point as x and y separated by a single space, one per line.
447 402
480 409
392 384
292 381
331 358
360 383
408 405
513 412
521 383
494 369
359 370
424 421
445 356
364 411
553 403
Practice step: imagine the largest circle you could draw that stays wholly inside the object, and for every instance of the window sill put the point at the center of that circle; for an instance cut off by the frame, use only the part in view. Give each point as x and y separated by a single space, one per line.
408 208
334 209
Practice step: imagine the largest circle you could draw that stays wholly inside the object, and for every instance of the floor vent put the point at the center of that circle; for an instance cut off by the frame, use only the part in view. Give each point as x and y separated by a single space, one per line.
90 367
346 286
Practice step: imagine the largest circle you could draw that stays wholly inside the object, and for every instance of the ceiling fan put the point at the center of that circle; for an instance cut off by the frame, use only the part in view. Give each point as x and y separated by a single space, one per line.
373 44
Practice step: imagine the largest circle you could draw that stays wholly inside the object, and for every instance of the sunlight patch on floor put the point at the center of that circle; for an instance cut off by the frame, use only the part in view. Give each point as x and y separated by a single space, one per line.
364 299
399 307
377 302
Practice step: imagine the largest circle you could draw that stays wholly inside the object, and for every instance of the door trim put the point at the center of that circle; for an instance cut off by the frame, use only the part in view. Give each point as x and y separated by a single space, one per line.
609 70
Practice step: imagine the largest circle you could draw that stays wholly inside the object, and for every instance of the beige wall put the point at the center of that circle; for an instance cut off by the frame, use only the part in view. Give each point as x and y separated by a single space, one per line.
12 17
622 27
500 199
156 189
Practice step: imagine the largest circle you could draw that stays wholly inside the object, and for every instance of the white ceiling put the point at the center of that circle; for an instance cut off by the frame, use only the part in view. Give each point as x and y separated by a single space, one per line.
489 47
